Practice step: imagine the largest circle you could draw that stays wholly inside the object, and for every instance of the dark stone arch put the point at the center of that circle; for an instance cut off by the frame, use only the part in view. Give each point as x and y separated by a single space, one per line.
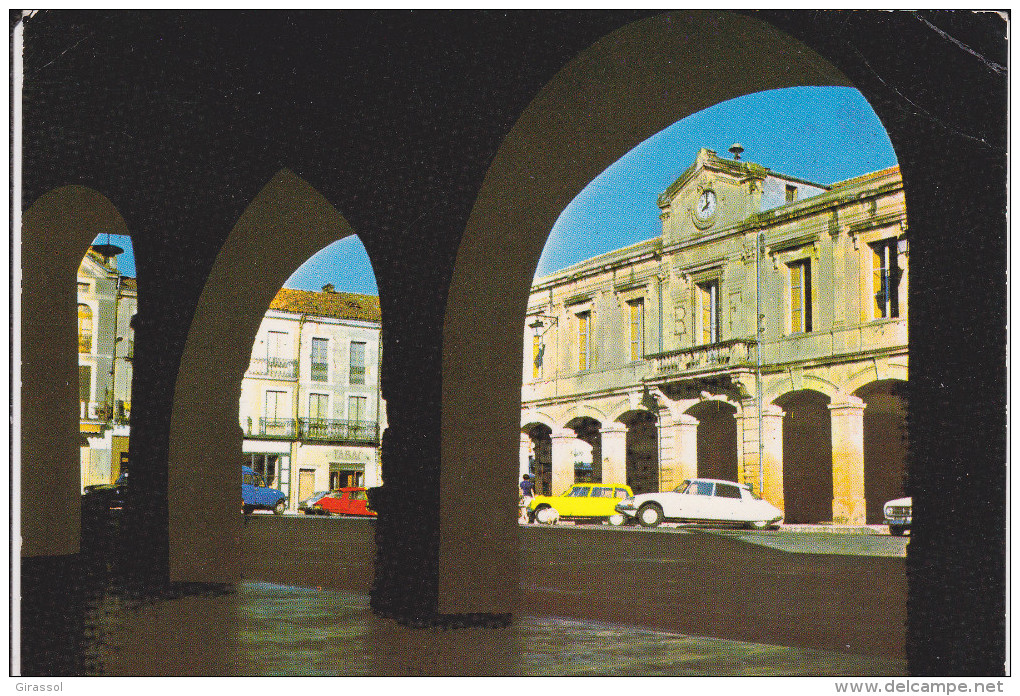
288 222
951 149
717 439
57 230
541 464
807 456
885 444
611 97
642 450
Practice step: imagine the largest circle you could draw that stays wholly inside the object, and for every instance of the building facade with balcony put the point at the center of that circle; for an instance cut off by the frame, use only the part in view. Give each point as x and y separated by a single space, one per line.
310 402
107 302
762 338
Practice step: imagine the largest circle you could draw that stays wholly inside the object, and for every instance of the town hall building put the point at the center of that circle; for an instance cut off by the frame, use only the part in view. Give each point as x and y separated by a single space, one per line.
647 365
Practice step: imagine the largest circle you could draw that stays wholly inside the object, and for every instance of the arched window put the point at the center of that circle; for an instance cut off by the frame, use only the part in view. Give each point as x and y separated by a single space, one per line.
84 329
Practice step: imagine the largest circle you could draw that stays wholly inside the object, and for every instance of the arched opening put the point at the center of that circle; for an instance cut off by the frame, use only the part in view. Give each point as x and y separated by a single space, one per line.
286 224
586 456
539 456
885 444
717 439
589 128
807 457
59 431
107 303
311 407
642 451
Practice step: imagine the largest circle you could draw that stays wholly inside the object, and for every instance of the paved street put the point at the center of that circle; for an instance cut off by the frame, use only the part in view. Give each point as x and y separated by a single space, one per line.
867 542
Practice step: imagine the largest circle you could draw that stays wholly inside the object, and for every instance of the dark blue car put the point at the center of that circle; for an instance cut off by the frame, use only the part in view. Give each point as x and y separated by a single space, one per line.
255 495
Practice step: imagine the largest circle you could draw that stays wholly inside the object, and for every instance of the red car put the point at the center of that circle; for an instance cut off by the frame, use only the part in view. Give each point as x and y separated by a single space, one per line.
345 501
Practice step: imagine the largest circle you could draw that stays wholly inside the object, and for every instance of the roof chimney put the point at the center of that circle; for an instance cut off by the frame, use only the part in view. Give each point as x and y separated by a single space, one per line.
735 150
328 287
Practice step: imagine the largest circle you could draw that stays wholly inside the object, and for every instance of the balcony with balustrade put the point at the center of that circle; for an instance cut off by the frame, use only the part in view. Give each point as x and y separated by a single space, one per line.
316 430
706 360
273 368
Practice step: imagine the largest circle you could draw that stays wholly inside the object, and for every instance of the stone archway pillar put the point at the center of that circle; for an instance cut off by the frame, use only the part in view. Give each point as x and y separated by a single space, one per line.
524 459
771 487
614 453
848 504
563 442
678 449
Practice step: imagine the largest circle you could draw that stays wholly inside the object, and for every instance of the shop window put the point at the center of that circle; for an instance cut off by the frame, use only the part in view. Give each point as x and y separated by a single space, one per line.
267 466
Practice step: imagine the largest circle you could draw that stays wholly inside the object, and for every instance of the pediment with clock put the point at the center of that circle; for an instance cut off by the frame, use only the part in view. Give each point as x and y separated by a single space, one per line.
713 194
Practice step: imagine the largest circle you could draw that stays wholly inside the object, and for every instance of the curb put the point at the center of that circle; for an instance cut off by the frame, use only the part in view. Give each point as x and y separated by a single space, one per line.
871 529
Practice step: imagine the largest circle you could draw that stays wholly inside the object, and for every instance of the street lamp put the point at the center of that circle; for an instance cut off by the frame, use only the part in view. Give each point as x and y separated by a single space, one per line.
537 325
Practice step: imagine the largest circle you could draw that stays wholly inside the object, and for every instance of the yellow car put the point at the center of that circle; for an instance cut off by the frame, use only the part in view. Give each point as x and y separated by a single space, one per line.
583 501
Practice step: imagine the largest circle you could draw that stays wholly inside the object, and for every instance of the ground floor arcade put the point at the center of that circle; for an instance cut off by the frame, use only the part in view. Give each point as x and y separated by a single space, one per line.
829 451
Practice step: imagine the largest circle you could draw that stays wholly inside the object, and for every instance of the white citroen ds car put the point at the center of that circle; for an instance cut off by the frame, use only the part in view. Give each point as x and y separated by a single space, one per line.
702 500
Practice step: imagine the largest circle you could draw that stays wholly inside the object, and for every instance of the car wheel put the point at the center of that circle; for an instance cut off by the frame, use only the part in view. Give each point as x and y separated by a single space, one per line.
617 520
547 515
650 516
280 506
896 530
248 509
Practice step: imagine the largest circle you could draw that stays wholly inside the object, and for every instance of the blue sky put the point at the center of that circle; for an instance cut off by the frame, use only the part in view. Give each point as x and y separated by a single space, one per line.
822 134
125 261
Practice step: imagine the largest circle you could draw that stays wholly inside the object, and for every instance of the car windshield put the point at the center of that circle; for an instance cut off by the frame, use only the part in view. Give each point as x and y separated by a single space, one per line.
699 488
359 495
682 487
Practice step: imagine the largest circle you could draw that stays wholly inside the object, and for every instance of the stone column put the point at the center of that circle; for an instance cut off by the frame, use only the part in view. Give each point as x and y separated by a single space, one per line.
678 449
848 506
614 453
525 456
563 441
771 488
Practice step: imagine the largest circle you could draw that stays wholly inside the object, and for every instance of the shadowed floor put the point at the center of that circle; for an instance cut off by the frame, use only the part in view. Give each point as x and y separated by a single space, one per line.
594 602
257 628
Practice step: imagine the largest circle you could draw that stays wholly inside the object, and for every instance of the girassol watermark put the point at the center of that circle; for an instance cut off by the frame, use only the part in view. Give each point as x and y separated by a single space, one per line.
28 686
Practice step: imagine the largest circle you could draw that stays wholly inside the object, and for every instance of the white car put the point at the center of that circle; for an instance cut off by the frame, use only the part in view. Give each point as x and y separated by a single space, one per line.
702 500
898 515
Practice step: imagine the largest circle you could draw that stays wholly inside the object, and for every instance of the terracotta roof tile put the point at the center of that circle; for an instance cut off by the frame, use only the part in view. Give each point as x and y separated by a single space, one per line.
339 305
863 178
